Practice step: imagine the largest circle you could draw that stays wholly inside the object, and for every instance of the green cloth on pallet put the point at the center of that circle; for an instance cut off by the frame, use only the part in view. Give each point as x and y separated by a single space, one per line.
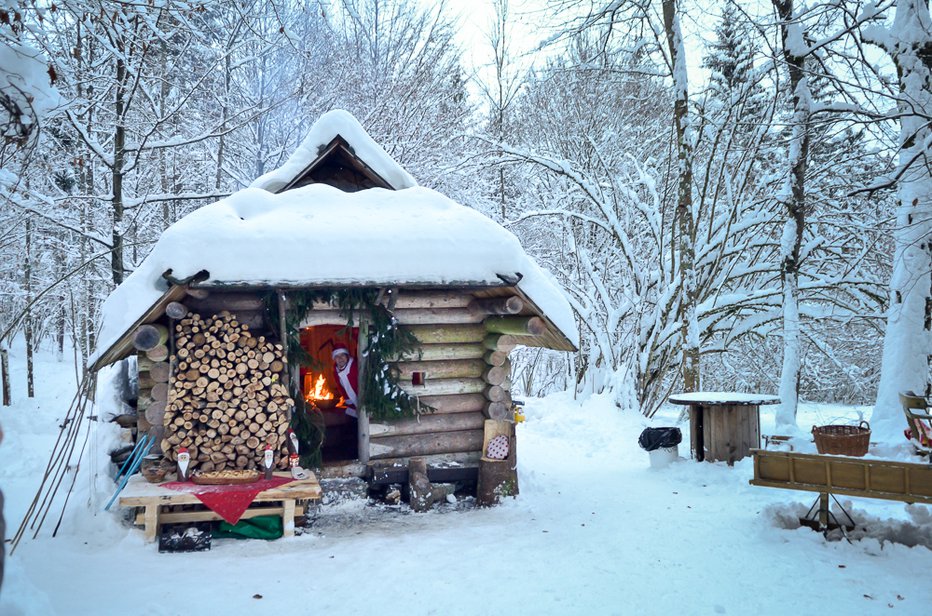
262 527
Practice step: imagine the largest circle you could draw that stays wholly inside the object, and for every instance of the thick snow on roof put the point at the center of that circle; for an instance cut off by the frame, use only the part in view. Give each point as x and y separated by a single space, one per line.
319 235
325 129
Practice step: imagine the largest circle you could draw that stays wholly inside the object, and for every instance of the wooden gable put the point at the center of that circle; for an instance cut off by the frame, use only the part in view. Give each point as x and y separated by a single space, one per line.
337 165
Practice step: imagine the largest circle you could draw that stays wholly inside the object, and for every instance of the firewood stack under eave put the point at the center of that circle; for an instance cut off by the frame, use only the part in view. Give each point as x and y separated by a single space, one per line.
226 401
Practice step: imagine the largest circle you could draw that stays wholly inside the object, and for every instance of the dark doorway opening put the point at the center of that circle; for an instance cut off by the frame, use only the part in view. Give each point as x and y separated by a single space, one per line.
323 394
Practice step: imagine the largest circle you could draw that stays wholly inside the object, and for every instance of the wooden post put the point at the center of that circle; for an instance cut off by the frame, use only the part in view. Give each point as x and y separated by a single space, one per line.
420 491
497 478
362 431
283 335
5 376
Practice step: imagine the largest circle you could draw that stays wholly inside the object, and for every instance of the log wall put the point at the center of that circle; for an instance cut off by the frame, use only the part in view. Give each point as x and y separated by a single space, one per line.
460 370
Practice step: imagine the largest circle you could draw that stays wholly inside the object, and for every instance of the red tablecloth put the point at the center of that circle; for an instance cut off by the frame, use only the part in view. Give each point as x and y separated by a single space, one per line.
230 501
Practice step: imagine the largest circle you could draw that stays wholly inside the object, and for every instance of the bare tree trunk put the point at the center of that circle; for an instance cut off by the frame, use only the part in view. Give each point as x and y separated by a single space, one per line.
5 376
794 201
117 266
689 324
28 330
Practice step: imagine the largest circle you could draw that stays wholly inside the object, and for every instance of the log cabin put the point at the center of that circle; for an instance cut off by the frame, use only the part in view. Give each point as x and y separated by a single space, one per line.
231 320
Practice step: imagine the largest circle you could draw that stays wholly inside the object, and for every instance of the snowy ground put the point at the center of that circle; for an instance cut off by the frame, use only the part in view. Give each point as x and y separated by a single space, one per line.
594 531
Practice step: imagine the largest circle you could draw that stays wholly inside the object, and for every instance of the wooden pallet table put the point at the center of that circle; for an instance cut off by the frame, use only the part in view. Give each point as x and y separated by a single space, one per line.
723 426
157 504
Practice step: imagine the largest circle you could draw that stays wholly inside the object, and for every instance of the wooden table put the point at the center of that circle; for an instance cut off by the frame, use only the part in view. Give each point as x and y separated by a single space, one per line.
723 425
156 502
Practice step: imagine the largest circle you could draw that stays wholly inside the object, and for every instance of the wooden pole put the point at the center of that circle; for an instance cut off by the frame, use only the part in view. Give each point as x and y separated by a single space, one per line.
5 376
363 419
283 335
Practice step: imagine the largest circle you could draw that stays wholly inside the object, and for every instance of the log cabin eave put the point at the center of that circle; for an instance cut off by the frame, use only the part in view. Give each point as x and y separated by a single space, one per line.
338 147
553 338
123 347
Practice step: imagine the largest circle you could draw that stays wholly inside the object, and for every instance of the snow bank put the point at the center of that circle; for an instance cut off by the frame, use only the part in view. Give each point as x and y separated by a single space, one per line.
594 531
325 129
319 235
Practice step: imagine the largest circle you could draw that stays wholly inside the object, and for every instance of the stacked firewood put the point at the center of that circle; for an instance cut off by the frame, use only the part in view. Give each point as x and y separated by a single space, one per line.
226 400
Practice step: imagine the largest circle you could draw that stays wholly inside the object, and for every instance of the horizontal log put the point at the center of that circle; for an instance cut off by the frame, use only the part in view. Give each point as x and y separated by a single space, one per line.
441 369
495 393
466 459
425 444
413 316
155 414
433 352
498 305
159 372
455 334
426 316
427 424
176 310
496 375
149 336
499 342
455 403
498 410
145 380
143 363
518 326
443 387
158 353
432 299
160 391
495 358
326 317
232 302
197 293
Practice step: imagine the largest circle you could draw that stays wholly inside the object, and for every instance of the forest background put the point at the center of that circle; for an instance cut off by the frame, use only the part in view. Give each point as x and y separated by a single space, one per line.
754 228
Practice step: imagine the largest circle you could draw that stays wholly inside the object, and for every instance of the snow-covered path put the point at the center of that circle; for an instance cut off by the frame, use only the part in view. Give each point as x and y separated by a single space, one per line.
595 531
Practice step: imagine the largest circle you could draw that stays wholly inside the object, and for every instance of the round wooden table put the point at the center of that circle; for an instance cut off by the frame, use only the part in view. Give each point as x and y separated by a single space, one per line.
723 425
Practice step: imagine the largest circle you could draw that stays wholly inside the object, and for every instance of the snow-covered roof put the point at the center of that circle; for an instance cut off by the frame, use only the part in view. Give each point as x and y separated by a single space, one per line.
333 124
317 235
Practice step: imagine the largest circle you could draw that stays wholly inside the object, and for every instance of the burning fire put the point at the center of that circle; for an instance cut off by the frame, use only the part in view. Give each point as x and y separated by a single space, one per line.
317 391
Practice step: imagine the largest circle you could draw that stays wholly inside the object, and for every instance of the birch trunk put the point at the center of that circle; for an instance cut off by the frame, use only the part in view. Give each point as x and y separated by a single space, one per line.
689 324
794 201
907 341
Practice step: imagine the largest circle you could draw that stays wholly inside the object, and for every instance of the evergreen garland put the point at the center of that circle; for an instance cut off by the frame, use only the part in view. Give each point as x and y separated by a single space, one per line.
384 398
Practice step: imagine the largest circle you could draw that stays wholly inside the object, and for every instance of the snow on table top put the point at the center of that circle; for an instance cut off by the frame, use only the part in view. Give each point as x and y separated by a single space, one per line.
324 130
723 397
319 235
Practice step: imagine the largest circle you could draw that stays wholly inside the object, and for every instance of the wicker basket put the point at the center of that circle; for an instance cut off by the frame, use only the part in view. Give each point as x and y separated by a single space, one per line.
842 440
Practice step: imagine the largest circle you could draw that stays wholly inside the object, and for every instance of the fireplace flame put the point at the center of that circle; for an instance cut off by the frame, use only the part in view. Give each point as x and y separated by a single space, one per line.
317 391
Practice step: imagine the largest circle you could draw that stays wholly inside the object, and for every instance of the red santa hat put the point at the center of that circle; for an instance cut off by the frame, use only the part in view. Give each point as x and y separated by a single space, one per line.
339 350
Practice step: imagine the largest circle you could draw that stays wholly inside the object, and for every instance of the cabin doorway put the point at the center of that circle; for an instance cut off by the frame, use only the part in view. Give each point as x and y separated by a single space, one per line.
323 395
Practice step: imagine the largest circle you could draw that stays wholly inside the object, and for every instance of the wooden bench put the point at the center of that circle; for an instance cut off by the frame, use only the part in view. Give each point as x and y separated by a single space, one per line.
160 505
827 475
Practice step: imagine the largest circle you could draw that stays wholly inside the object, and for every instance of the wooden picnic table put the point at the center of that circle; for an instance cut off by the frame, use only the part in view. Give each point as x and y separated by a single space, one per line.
723 425
157 504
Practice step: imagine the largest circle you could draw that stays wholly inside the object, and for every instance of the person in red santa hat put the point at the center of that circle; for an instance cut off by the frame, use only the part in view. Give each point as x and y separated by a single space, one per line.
346 375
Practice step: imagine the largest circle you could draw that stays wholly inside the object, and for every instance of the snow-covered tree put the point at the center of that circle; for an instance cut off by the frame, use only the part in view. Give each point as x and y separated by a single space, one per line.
908 342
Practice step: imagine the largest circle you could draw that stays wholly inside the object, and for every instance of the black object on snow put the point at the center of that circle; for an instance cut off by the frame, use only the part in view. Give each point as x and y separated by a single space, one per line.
655 438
